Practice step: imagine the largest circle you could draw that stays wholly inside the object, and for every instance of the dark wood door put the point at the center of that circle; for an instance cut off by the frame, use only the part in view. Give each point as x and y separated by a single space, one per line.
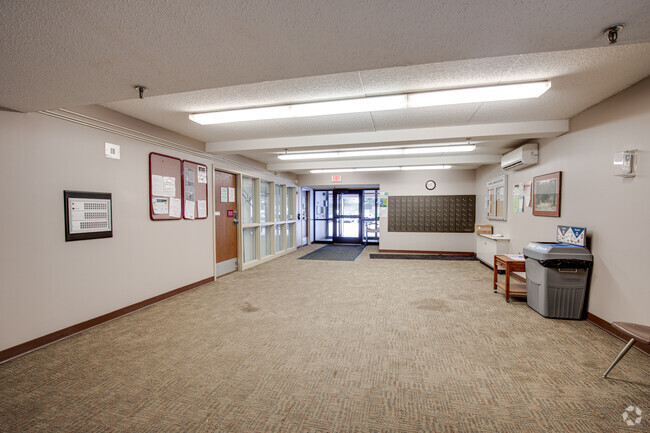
225 215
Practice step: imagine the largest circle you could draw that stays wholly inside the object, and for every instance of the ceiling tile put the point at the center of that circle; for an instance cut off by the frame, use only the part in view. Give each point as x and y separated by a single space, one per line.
339 123
424 117
417 78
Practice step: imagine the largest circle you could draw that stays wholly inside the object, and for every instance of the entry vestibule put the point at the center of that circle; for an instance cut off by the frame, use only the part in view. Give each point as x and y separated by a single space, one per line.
346 216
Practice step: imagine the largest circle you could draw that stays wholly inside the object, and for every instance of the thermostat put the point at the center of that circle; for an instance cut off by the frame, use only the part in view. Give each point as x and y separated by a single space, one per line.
624 163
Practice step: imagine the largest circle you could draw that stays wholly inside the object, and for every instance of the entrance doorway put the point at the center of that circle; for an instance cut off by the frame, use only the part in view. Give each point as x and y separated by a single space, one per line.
225 222
347 217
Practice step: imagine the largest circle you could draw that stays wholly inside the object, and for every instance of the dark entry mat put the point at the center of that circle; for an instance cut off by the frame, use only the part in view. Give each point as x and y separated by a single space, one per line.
340 253
424 257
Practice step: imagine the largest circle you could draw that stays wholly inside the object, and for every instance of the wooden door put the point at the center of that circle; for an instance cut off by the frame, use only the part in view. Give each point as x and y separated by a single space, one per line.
225 222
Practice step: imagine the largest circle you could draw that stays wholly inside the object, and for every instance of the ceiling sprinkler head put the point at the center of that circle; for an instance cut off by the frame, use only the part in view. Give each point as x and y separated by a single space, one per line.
141 90
612 33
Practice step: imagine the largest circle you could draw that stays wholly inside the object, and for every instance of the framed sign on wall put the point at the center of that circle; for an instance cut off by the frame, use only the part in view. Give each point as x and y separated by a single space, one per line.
546 194
496 202
88 215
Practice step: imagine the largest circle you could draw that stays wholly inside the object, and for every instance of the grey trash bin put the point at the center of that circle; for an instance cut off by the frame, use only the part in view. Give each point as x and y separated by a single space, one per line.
556 278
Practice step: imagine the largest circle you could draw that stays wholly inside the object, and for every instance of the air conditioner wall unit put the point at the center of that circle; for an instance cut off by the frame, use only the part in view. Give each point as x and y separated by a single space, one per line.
522 157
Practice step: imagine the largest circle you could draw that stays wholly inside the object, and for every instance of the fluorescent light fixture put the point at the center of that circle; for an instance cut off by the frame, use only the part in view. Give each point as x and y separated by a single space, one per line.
333 170
377 169
294 156
343 106
405 168
438 149
378 152
242 115
377 103
425 167
503 92
359 105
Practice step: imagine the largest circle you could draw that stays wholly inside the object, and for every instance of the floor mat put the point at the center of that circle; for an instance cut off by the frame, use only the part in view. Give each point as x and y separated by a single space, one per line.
341 253
424 257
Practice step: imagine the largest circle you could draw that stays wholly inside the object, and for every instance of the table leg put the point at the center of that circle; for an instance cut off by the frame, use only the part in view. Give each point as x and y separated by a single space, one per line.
508 282
496 272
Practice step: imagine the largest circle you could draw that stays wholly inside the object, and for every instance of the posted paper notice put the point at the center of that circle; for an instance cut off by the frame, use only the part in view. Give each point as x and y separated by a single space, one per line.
160 206
157 185
169 186
202 206
175 207
202 174
189 209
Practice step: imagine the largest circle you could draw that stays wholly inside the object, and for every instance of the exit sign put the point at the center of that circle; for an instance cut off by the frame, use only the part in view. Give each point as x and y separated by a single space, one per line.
336 178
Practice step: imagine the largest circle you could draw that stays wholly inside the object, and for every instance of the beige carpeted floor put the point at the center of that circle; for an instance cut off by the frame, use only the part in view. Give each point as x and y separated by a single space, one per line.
314 346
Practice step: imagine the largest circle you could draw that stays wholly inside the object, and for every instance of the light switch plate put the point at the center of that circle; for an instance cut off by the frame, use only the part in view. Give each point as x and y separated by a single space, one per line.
112 151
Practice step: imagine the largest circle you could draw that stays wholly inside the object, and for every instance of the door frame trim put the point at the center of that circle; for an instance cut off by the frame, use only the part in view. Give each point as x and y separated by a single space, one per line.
214 226
336 217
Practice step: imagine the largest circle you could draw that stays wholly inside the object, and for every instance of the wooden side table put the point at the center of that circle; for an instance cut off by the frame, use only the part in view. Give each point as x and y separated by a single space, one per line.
510 265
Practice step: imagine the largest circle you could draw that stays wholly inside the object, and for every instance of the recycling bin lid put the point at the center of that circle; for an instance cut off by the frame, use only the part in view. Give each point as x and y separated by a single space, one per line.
555 250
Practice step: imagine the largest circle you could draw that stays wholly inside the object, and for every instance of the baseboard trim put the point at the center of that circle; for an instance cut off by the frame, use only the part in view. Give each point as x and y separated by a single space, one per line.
21 349
605 325
453 253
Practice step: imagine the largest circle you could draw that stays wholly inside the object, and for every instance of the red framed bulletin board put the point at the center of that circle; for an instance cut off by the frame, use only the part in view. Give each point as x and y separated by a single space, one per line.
165 187
195 190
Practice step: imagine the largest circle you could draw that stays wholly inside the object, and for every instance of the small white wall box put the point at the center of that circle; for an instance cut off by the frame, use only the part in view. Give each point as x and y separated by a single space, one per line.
624 163
88 215
112 151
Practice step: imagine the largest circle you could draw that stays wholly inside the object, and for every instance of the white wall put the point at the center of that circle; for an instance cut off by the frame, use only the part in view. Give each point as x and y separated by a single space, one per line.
47 284
449 182
616 211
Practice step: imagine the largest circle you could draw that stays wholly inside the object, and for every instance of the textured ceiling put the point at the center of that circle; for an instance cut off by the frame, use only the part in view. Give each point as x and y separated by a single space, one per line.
204 55
580 79
62 53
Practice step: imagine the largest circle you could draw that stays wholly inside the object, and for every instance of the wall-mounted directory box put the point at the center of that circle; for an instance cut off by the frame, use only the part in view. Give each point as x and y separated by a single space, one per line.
88 215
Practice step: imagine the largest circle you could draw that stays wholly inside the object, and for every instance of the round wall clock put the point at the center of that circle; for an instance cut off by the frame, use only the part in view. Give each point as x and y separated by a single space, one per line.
430 185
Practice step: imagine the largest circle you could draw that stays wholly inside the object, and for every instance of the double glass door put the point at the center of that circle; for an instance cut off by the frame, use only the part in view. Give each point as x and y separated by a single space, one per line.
347 217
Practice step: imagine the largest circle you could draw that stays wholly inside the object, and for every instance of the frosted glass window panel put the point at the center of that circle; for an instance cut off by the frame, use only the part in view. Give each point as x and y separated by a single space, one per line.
290 236
369 204
279 228
266 206
266 237
323 205
323 230
278 203
248 200
291 203
250 244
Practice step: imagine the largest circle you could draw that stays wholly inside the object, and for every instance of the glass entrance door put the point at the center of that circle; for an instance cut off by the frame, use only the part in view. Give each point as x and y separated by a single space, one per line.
347 216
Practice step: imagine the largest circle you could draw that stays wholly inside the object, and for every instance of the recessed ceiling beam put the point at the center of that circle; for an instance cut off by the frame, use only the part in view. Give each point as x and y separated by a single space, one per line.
490 131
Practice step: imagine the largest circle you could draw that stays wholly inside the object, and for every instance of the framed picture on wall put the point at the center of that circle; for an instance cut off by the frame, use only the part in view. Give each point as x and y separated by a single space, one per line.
546 194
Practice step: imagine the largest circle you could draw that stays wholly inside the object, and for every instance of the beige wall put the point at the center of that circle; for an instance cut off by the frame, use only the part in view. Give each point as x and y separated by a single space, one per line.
449 182
615 210
47 284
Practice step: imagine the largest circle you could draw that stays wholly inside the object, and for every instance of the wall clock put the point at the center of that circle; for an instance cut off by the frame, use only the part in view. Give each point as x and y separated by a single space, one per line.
430 185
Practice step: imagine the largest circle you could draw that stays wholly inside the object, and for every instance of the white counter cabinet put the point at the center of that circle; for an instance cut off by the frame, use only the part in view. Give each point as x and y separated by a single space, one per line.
487 246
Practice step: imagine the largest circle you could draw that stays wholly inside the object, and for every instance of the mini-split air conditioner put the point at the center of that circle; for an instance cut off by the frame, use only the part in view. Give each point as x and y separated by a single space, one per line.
521 157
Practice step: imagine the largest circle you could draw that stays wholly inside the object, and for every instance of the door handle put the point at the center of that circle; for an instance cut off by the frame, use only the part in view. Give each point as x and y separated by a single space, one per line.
235 220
